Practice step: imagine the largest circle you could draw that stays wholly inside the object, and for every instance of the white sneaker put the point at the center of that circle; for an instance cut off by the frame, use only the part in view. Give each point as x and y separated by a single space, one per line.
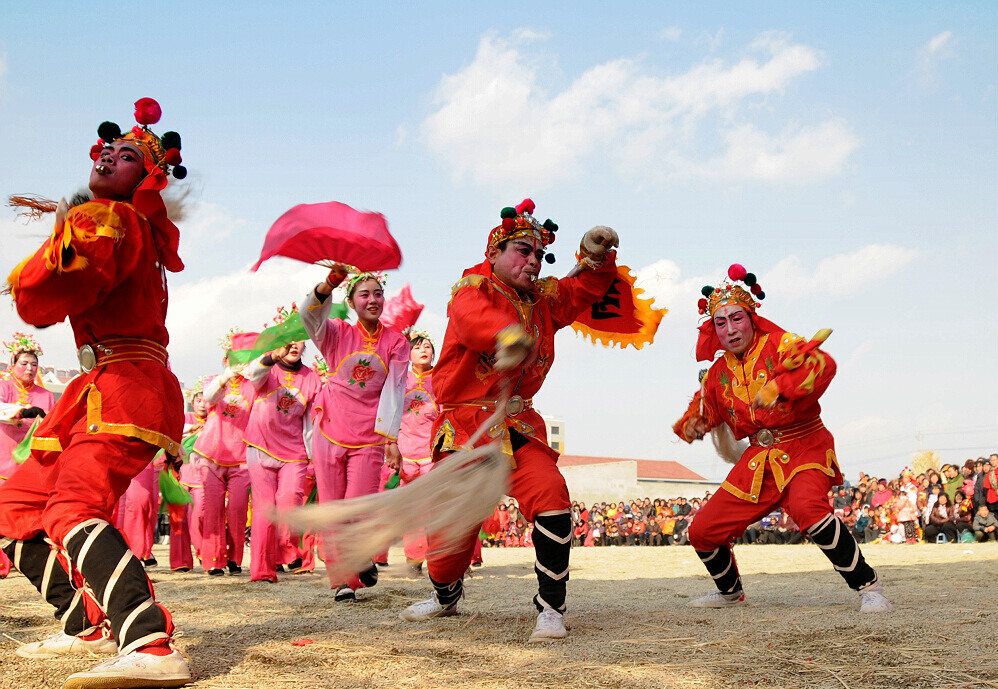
134 671
344 594
872 599
716 599
428 609
550 625
62 644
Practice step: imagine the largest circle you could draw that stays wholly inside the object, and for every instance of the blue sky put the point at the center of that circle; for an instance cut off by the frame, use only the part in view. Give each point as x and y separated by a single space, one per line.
845 153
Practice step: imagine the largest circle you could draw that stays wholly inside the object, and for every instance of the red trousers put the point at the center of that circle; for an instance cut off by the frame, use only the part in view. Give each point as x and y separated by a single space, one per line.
536 484
54 491
725 517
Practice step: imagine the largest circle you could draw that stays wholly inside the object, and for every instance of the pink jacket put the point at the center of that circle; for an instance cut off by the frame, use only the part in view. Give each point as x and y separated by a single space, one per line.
229 402
13 398
361 403
276 420
419 411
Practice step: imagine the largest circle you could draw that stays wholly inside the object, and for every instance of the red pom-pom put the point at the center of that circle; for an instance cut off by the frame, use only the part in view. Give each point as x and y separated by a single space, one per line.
137 130
172 157
95 151
703 311
147 111
702 304
756 289
737 271
526 206
508 224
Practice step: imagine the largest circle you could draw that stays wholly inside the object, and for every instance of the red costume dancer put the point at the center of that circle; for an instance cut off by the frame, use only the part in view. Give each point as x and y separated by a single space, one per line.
502 325
22 404
222 458
359 410
275 454
766 387
103 269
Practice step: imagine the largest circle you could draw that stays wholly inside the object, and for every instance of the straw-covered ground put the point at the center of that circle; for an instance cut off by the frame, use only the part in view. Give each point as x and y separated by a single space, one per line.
630 626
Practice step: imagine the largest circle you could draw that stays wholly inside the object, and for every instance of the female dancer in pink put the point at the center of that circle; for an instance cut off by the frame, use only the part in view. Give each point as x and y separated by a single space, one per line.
359 411
186 531
275 454
21 402
419 411
222 451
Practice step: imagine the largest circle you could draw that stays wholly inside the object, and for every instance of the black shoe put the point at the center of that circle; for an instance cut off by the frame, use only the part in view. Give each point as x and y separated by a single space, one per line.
476 564
182 569
369 577
280 569
216 572
151 562
344 594
294 566
234 568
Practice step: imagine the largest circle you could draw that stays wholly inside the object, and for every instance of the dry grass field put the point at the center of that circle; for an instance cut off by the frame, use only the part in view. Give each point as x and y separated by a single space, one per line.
629 626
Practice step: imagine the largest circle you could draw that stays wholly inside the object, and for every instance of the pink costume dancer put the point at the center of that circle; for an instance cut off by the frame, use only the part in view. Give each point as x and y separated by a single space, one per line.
275 453
21 402
186 531
220 445
135 516
359 410
419 411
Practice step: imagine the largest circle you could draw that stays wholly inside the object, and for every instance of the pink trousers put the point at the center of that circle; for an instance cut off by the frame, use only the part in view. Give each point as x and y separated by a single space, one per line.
275 484
226 502
137 512
342 472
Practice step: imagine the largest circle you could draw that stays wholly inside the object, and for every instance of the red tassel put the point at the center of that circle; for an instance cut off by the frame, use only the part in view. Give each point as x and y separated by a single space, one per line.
525 205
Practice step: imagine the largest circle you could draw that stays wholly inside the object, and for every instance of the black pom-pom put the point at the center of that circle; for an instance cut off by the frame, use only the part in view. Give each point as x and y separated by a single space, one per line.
179 171
549 258
507 212
701 374
707 290
171 140
749 279
550 226
761 296
108 131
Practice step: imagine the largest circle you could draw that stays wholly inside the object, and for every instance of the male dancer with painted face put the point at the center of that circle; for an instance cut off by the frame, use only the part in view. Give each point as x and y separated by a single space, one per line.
104 269
766 387
503 318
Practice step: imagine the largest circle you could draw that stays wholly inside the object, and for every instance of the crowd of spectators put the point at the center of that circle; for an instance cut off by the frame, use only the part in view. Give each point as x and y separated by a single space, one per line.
954 504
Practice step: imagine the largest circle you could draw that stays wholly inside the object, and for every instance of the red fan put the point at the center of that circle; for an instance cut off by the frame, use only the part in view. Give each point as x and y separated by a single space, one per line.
324 232
401 311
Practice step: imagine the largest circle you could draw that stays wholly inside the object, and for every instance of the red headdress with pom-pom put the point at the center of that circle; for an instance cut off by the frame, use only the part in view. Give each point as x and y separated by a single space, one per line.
159 155
729 294
520 222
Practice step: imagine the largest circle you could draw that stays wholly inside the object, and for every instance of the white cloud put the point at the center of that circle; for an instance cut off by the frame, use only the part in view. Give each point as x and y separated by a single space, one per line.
671 33
496 122
837 275
937 49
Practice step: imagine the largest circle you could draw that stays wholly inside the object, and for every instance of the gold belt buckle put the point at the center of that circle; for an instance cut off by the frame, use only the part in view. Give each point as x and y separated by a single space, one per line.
765 438
514 406
87 357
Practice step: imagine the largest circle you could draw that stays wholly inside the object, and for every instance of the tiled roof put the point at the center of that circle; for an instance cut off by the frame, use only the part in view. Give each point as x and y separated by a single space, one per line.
647 468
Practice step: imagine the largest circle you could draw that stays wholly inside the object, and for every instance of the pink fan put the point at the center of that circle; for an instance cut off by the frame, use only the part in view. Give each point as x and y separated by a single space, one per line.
401 311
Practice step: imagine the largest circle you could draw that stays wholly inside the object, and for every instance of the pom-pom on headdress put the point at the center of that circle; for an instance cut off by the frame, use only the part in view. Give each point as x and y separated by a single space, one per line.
22 342
729 293
158 152
520 222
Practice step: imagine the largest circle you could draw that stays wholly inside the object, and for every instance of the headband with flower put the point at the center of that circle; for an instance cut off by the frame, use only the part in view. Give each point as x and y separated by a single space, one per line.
415 335
355 276
225 342
520 222
283 314
198 388
23 342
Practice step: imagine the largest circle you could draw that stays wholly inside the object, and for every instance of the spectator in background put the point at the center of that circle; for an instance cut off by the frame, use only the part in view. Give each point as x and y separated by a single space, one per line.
840 501
862 524
940 521
963 513
907 518
985 525
882 495
953 481
991 485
